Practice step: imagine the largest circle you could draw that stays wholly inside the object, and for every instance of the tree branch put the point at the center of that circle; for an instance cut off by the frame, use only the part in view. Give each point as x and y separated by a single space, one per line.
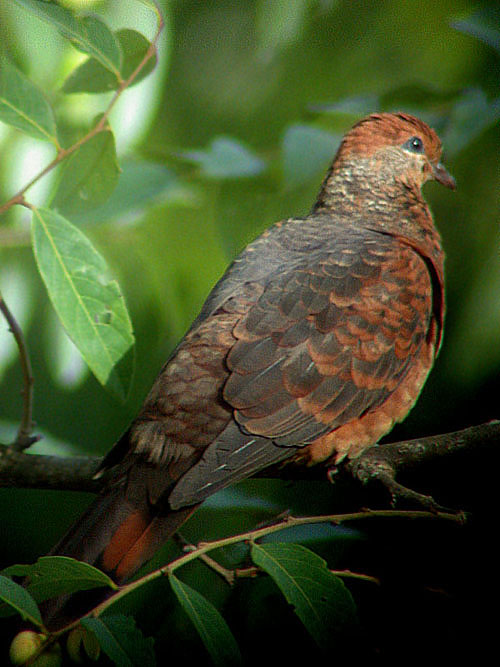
34 471
22 470
386 462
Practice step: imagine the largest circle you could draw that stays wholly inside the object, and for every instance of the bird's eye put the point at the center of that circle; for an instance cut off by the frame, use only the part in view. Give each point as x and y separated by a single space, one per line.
415 144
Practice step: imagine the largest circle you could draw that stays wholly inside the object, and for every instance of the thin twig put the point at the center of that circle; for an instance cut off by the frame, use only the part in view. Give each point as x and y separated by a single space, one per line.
348 574
253 535
227 574
24 436
231 575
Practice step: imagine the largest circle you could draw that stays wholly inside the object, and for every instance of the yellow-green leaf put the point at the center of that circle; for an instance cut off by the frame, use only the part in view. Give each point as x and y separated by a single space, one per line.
88 34
88 302
23 105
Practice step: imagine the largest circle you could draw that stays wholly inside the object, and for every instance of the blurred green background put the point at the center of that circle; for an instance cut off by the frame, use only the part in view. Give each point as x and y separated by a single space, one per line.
232 132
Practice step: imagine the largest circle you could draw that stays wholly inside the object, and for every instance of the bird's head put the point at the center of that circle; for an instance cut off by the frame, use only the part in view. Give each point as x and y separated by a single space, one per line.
398 145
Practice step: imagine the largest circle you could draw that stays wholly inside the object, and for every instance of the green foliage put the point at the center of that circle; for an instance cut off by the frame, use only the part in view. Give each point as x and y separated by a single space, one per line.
311 148
472 113
56 575
236 119
88 176
140 184
93 77
279 24
89 304
88 34
212 628
483 24
319 598
122 641
23 105
20 601
225 158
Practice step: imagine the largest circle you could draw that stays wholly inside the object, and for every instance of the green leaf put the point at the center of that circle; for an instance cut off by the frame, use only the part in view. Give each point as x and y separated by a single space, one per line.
98 41
51 576
483 24
87 34
319 598
88 176
121 640
92 77
211 627
20 600
134 47
89 304
474 344
23 105
226 158
307 151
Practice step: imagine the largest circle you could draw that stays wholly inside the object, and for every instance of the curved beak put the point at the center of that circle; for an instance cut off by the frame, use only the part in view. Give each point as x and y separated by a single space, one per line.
443 177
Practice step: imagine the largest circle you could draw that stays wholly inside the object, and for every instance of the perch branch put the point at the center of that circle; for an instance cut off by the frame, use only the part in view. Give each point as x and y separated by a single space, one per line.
383 463
22 470
34 471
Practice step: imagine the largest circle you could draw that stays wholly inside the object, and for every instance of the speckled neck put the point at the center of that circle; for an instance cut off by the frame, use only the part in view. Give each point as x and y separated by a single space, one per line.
375 195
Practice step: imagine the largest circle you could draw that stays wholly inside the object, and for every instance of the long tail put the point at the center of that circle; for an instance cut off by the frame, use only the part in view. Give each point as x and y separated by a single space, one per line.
116 535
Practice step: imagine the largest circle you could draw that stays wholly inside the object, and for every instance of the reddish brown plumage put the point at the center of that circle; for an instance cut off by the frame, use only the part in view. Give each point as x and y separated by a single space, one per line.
377 130
315 342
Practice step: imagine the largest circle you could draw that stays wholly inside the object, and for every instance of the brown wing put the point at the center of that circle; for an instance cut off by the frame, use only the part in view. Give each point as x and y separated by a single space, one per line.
324 344
328 343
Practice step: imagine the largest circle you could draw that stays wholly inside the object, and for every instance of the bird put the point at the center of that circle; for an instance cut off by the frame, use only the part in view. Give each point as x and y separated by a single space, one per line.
317 339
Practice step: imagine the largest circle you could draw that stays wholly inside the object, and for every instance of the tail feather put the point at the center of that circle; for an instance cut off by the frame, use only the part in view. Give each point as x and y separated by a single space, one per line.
88 537
116 536
124 562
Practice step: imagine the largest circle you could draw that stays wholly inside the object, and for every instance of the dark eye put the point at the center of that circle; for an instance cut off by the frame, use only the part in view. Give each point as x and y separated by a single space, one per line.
415 144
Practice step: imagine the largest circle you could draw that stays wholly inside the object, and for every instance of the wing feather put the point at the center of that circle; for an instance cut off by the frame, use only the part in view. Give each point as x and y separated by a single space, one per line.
327 342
